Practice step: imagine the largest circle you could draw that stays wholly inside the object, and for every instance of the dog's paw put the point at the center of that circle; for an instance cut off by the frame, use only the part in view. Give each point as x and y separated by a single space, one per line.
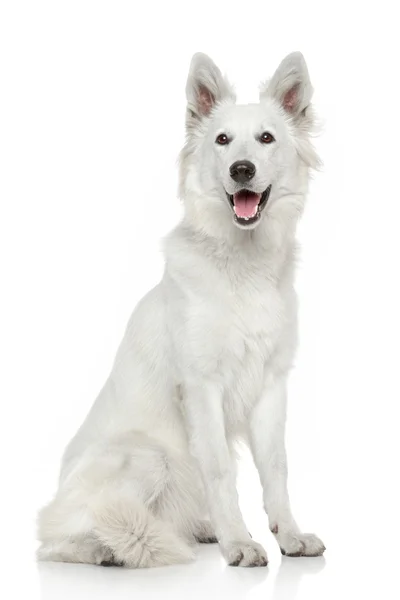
300 544
103 556
205 533
245 554
211 539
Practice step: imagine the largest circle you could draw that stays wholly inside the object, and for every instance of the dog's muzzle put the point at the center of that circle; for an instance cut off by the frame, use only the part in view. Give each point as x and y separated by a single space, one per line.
247 205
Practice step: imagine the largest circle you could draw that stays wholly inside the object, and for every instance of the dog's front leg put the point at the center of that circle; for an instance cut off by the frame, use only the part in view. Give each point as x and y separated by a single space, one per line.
206 428
267 432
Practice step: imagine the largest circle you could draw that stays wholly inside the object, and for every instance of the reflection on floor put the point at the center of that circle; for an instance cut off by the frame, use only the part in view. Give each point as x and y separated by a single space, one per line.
208 578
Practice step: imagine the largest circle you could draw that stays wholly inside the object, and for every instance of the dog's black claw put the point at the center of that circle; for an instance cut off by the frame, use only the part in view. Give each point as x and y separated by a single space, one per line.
111 563
107 563
207 540
236 562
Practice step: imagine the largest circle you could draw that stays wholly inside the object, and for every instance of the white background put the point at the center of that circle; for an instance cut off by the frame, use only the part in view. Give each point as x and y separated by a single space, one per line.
92 111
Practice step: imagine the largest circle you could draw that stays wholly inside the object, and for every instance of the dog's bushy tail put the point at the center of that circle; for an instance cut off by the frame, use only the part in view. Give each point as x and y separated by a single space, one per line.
136 537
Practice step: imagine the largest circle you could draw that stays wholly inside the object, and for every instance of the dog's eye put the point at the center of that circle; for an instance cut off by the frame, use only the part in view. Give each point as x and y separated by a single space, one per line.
222 139
266 138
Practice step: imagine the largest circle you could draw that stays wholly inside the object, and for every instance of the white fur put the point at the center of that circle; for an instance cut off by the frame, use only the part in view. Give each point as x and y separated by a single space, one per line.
205 357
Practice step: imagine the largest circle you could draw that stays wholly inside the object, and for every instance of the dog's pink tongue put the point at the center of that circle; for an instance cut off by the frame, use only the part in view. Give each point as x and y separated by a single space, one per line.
245 205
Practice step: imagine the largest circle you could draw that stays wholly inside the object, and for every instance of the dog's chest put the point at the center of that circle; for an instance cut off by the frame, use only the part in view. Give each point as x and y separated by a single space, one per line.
233 331
253 329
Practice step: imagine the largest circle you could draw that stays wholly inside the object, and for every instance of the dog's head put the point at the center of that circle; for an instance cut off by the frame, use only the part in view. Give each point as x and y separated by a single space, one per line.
241 160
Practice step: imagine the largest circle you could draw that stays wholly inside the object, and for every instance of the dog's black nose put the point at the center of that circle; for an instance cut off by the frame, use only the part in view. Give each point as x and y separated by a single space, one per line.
242 171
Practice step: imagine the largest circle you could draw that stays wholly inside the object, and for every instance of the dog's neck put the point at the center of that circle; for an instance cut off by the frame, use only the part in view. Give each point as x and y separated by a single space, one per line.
211 219
268 249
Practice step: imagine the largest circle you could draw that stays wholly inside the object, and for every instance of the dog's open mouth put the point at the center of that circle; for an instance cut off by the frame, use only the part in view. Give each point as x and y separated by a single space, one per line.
247 206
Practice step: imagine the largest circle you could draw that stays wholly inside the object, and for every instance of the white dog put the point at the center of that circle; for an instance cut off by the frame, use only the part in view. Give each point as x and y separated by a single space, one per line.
206 355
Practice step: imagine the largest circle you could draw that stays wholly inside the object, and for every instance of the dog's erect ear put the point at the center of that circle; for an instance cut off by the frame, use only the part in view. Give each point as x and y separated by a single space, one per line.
205 87
290 85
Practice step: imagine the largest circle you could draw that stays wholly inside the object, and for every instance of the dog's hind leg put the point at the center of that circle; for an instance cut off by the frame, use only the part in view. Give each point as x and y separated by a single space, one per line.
134 500
123 533
81 549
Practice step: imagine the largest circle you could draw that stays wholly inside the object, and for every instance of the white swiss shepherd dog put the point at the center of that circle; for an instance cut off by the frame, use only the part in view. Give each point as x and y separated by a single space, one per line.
206 354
